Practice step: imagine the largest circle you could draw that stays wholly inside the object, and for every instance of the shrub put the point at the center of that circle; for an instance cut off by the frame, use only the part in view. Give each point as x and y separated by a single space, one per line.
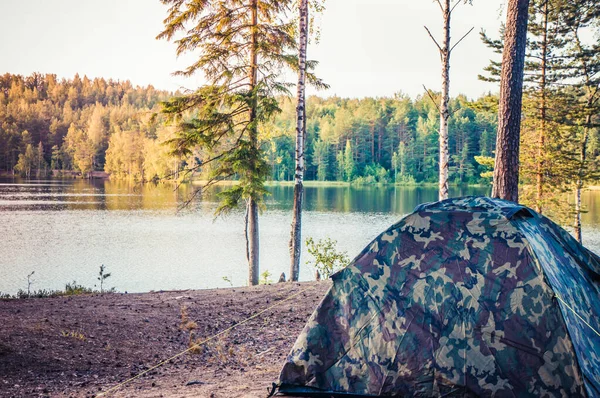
328 259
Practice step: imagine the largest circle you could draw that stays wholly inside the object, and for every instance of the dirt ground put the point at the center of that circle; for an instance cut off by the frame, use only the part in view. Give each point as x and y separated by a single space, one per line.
82 346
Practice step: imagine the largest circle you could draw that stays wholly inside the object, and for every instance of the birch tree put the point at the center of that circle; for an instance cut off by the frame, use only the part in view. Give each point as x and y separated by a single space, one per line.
296 234
445 51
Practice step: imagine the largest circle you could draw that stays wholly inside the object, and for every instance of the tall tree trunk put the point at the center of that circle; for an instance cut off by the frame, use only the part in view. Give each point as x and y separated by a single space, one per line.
379 144
444 112
543 109
372 129
577 225
581 173
296 235
253 241
506 170
580 181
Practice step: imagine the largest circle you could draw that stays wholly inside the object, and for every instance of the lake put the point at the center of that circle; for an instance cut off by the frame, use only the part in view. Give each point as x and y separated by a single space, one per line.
65 229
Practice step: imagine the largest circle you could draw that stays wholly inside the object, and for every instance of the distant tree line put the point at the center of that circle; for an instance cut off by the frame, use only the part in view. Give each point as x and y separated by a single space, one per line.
384 140
80 125
83 125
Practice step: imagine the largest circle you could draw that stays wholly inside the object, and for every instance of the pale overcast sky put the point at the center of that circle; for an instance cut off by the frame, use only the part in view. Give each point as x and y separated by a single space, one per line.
367 48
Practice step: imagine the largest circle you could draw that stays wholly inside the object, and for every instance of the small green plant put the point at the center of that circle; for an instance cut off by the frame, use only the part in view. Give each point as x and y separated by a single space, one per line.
228 280
265 278
328 259
29 283
73 289
102 276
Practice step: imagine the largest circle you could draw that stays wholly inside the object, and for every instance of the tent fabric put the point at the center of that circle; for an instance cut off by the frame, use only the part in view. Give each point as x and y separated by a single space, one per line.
460 298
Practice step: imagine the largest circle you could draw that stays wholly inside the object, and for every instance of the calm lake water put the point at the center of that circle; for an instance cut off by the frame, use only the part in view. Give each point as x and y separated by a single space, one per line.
65 229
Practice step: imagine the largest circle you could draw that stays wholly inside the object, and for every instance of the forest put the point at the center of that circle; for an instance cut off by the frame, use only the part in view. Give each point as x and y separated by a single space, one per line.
47 124
82 125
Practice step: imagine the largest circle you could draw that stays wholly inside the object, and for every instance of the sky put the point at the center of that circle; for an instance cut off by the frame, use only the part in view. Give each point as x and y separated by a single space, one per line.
368 48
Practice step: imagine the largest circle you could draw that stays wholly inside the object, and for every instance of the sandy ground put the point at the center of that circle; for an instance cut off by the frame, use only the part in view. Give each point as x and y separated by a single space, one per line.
82 346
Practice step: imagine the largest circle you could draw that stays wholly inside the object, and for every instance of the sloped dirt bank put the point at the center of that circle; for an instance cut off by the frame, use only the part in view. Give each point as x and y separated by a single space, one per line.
82 346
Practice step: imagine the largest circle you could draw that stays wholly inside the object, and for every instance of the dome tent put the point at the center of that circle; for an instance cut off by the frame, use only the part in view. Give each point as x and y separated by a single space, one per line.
464 297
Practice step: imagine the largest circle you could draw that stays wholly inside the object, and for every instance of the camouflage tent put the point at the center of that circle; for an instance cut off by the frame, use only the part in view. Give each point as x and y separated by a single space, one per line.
464 297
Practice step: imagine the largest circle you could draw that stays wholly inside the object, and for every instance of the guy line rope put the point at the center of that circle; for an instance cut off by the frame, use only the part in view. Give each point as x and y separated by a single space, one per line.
196 345
577 315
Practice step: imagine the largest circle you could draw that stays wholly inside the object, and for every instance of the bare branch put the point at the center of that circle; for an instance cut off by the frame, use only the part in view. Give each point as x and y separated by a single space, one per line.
432 99
440 4
454 6
461 39
434 40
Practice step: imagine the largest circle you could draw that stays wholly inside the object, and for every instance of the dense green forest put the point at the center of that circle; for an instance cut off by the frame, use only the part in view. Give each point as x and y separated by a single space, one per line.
385 139
82 125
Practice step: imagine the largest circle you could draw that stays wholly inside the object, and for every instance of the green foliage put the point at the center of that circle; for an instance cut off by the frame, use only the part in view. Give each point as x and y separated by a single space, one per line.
103 276
228 280
321 159
488 165
71 289
561 103
327 258
396 134
220 121
407 180
265 278
349 166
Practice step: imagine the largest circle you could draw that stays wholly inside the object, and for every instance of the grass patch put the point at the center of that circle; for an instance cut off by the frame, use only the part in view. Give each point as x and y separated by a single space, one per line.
71 289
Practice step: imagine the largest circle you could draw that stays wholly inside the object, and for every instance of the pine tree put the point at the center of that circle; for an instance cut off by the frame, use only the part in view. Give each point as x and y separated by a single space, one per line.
321 159
340 167
581 68
506 170
548 154
349 165
242 51
56 158
41 165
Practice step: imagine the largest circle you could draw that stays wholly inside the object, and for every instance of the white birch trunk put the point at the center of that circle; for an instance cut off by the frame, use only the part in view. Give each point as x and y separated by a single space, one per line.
444 112
296 234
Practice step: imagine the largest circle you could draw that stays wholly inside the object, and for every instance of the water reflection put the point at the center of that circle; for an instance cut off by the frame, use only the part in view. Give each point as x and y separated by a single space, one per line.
123 195
64 230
